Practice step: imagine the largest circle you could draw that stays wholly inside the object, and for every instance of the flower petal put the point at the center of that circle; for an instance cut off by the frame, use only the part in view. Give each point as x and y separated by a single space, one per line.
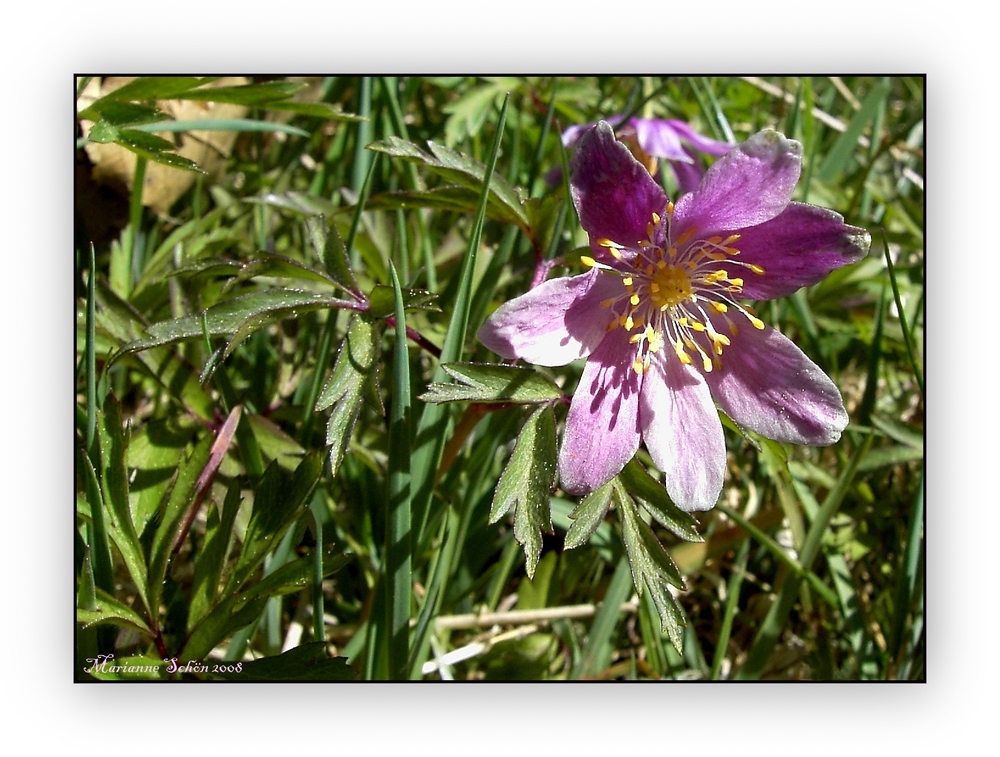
688 175
768 385
750 184
682 431
555 323
602 428
698 141
657 137
612 191
797 248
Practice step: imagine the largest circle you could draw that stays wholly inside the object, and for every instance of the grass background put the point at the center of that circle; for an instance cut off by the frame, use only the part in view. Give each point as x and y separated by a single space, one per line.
811 567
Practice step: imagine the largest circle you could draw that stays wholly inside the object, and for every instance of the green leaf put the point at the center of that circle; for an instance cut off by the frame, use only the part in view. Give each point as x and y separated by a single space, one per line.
110 610
155 88
208 566
219 124
276 505
263 94
356 364
652 567
121 528
114 113
169 517
381 305
654 498
460 169
456 199
588 516
526 482
294 576
327 111
309 662
229 316
840 154
482 382
330 248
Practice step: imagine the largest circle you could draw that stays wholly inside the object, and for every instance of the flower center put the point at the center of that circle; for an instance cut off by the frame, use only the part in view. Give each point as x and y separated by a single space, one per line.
669 286
673 290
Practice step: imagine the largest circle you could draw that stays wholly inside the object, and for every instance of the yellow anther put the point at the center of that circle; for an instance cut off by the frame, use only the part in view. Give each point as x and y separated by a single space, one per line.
718 307
637 365
714 240
730 239
756 268
757 322
670 208
635 338
698 326
686 235
656 219
634 299
627 281
706 363
628 323
606 243
737 282
588 261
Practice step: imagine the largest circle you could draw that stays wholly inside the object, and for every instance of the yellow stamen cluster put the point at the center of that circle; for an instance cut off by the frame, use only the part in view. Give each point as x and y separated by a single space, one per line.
674 292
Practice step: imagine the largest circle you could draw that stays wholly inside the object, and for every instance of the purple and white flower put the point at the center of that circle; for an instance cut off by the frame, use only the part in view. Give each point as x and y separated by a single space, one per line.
659 319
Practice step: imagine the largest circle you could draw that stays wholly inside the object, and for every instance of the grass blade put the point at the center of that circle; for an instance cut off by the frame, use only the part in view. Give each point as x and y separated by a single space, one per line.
397 535
434 420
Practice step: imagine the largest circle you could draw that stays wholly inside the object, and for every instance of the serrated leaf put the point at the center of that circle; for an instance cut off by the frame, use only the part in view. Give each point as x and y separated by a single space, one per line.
654 498
294 576
526 482
458 199
482 382
381 300
228 316
279 499
652 568
356 363
588 516
458 168
330 248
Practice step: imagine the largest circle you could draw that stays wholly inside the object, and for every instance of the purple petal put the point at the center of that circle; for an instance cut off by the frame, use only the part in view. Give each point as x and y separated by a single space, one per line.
768 385
797 248
699 141
612 191
602 428
688 175
555 323
656 137
750 184
682 432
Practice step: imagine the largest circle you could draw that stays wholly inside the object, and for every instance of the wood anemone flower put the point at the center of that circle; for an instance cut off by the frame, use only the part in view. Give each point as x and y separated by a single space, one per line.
659 319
